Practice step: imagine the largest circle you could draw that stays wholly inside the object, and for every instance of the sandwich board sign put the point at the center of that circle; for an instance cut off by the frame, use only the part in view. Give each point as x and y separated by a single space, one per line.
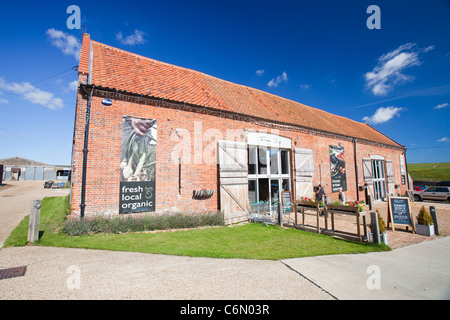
399 212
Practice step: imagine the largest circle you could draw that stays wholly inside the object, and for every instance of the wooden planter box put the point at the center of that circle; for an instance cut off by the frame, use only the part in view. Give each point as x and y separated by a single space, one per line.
425 230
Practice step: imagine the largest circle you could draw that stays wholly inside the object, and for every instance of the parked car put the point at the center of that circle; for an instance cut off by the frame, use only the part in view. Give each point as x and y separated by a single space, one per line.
48 184
418 189
433 193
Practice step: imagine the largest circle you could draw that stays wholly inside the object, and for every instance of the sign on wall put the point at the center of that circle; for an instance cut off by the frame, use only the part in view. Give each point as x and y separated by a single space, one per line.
137 165
402 169
338 175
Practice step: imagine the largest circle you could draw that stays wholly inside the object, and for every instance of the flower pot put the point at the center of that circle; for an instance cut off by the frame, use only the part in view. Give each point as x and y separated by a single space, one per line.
383 238
425 230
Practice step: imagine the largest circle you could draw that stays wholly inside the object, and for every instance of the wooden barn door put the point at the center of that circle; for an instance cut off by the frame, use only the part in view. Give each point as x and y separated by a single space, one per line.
368 177
304 171
233 180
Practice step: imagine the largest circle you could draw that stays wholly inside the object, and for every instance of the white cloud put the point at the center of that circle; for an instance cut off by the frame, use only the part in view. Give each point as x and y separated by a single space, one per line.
133 39
444 139
441 106
73 86
259 73
383 115
3 101
305 86
388 71
67 43
32 94
275 82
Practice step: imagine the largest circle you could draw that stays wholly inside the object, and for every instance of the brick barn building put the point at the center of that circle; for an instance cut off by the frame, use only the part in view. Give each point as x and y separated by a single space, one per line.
163 138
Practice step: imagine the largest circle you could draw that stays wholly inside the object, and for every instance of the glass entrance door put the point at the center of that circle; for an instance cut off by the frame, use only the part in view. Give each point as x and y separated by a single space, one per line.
379 180
268 174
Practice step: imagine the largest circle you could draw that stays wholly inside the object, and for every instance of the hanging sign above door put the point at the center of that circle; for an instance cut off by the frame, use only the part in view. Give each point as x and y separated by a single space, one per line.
268 140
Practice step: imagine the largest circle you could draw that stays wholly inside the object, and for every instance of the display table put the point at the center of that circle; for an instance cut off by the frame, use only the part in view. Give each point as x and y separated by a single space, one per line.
331 210
304 206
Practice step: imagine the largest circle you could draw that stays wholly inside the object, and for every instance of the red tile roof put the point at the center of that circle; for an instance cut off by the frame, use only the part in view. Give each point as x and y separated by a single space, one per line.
122 70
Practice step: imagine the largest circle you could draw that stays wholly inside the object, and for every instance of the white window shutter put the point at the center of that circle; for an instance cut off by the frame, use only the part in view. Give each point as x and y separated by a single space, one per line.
367 169
304 172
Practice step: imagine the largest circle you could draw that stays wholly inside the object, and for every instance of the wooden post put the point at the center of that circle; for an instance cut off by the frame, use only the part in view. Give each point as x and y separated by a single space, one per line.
435 221
280 214
375 228
33 225
295 210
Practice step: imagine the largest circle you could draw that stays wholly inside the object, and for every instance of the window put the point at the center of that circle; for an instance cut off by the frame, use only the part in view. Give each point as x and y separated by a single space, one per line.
268 174
379 180
273 161
252 160
262 161
284 161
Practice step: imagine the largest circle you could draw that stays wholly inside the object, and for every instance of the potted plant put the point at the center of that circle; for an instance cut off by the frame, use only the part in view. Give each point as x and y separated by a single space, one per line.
424 224
381 230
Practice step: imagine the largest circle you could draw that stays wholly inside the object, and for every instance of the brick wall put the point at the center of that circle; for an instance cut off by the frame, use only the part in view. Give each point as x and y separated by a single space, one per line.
192 137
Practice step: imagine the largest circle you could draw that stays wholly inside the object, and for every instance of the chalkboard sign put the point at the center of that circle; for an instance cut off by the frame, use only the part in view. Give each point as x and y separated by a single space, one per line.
400 212
287 200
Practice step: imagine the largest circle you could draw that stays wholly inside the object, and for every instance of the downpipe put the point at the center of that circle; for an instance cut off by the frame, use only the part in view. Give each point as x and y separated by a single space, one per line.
85 149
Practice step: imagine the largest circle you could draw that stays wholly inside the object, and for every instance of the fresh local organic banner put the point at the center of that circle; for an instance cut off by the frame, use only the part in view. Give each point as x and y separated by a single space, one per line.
338 176
137 165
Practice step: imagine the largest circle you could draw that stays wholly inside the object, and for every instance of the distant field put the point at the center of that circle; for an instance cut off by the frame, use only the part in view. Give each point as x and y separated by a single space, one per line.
430 171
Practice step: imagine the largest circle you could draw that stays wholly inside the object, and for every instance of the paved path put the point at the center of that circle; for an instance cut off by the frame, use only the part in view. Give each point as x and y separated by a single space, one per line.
417 272
62 273
15 201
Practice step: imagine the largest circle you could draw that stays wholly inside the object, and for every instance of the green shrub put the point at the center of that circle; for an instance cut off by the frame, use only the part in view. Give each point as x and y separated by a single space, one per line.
381 224
123 224
424 217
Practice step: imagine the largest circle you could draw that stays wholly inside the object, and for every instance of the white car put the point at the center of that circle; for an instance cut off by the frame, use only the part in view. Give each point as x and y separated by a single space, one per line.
433 193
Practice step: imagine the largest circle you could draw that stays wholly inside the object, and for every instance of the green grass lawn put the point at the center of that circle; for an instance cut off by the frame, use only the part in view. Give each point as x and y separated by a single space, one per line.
247 241
430 171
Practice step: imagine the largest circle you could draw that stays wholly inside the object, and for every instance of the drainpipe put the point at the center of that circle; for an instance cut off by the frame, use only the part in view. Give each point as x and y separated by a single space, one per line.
86 133
85 149
356 169
407 172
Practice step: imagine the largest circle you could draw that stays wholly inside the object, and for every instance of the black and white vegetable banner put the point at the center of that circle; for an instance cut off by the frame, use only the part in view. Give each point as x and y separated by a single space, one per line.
137 165
338 176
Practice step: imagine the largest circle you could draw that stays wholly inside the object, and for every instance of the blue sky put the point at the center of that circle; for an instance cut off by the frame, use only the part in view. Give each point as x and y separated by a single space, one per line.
320 53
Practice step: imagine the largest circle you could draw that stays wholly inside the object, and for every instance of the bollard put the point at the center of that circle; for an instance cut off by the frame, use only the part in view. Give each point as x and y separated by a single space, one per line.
375 229
33 225
280 214
435 222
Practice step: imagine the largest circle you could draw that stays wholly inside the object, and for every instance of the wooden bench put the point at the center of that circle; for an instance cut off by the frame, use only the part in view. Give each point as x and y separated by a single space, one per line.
332 209
304 205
